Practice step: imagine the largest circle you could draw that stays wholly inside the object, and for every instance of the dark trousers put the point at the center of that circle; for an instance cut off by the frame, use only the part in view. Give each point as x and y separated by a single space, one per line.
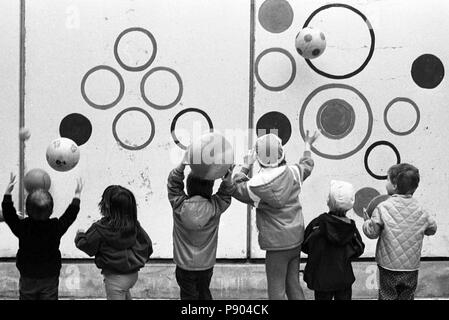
38 289
194 285
397 285
345 294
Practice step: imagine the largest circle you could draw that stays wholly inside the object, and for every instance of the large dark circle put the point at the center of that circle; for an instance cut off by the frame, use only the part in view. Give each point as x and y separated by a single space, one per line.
103 106
154 105
371 148
335 112
368 109
418 116
289 81
76 127
372 46
175 120
275 120
153 55
114 128
428 71
362 198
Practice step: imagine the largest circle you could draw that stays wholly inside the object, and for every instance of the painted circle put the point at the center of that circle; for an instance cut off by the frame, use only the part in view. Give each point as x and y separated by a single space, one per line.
418 116
372 46
114 128
292 76
102 106
152 104
150 60
362 199
428 71
277 121
368 109
76 127
175 119
335 118
371 148
275 16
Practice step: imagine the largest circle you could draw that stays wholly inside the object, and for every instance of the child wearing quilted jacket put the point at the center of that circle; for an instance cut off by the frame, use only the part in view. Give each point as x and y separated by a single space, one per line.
274 192
400 223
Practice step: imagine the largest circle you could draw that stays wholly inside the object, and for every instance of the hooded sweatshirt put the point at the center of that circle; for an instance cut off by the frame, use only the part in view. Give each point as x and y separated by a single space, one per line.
274 192
331 244
116 251
195 223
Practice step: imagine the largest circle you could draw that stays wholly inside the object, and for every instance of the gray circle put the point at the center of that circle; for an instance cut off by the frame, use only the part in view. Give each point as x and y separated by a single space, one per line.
114 129
275 16
152 104
349 126
292 77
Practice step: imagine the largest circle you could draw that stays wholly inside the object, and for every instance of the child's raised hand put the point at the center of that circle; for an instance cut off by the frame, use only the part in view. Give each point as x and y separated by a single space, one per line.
250 158
12 182
228 176
311 139
79 187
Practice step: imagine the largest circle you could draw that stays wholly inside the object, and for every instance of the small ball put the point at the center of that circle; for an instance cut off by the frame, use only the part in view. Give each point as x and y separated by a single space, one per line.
24 133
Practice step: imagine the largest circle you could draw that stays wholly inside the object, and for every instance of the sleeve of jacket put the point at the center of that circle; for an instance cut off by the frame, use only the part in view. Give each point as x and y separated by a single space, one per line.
88 241
149 242
373 227
222 199
175 188
69 216
431 226
358 246
310 229
241 190
10 216
305 165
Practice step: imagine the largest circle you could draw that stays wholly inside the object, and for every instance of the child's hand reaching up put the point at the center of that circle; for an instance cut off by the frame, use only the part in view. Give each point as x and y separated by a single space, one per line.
228 176
12 182
311 139
250 158
79 187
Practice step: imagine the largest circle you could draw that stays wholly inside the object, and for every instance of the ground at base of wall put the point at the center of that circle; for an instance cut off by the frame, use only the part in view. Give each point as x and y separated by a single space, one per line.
230 281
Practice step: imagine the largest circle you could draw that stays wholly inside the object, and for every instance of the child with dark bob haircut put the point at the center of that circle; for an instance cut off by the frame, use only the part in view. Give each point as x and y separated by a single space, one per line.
39 258
400 223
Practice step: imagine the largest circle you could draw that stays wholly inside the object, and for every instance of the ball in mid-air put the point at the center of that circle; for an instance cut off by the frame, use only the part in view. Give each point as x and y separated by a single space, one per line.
24 133
36 179
63 154
310 43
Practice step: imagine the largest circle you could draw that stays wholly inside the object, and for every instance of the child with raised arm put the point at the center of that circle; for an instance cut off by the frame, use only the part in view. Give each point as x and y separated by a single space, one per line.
274 193
400 223
38 257
196 219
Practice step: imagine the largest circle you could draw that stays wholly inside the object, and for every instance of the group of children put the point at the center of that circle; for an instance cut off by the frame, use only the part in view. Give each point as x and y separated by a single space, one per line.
121 247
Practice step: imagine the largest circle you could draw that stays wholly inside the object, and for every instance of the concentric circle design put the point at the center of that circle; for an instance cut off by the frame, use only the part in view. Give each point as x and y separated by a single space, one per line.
347 127
418 116
372 46
335 119
292 76
124 145
371 148
150 60
175 120
102 106
152 104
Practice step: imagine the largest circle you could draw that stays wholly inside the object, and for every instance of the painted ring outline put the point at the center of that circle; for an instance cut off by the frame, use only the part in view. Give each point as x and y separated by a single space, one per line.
324 132
372 46
418 116
289 81
103 106
175 119
114 128
145 65
157 106
368 151
370 120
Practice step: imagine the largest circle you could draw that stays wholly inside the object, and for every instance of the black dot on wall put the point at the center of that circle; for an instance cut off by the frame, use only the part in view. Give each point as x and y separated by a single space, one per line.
362 198
76 127
276 123
428 71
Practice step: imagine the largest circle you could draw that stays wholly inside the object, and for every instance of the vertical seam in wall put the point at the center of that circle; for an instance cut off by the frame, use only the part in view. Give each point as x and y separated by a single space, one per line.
22 103
250 113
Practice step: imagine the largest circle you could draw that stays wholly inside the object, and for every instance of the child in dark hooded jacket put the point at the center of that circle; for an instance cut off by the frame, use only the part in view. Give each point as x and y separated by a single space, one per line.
332 241
120 245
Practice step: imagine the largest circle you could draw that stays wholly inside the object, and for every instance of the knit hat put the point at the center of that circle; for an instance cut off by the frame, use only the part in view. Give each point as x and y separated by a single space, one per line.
341 196
269 150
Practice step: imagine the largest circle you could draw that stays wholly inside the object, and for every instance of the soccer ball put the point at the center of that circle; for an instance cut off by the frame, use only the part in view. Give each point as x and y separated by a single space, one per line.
63 154
310 43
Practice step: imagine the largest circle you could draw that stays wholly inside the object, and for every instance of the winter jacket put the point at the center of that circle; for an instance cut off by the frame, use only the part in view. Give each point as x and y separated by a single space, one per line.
401 224
274 192
38 255
195 243
116 251
331 244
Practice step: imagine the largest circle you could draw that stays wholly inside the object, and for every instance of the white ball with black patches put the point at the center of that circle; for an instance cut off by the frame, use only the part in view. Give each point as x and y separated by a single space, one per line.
63 154
310 43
